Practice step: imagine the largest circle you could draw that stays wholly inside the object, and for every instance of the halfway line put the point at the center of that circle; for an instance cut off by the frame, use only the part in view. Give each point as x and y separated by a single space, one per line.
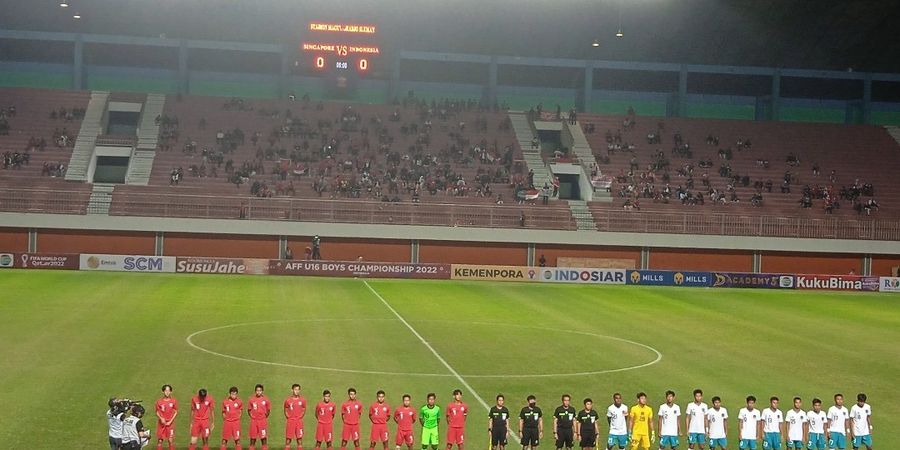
433 351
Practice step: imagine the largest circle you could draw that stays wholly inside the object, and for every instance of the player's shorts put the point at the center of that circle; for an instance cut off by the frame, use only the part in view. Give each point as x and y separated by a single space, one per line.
531 437
430 436
640 440
259 429
498 436
717 442
859 441
350 433
403 437
669 441
772 441
565 437
379 433
114 443
456 435
324 432
293 429
165 431
231 429
794 444
816 441
837 441
588 440
200 428
620 440
133 445
696 438
747 444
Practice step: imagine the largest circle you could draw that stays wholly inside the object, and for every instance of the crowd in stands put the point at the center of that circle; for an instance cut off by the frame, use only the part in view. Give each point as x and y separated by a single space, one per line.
61 137
666 177
415 150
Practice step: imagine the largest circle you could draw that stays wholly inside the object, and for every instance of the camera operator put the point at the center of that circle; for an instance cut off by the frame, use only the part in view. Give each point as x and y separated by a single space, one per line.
115 415
134 435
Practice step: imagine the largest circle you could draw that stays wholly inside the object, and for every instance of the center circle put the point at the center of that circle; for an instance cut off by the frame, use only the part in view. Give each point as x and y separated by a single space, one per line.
247 342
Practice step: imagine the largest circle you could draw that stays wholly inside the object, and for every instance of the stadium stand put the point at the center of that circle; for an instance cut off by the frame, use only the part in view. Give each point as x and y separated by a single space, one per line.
863 158
443 163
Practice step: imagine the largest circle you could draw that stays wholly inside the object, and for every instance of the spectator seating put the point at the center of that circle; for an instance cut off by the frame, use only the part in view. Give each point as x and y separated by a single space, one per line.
857 153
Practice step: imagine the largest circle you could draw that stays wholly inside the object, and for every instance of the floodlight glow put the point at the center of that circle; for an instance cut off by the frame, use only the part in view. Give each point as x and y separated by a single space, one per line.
63 5
619 33
596 43
76 16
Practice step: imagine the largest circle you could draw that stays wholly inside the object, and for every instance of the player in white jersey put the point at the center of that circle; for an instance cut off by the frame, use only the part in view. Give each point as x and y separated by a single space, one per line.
796 425
861 419
669 425
838 428
717 424
616 416
816 420
773 425
749 418
695 420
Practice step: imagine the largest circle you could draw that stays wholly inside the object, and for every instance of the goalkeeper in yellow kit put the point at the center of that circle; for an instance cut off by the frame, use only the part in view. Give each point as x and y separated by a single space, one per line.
640 424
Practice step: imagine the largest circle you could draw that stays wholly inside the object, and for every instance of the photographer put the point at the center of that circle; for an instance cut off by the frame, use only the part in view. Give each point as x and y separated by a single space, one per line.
134 436
114 415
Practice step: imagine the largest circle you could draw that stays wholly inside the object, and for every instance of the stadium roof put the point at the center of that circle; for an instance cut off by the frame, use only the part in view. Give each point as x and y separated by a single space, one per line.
829 34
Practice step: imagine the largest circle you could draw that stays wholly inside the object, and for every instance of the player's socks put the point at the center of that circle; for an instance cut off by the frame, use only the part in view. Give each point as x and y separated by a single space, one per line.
192 447
205 446
223 447
159 446
171 446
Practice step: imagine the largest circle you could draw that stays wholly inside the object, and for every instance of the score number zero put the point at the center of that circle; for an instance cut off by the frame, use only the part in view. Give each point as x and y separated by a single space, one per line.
362 64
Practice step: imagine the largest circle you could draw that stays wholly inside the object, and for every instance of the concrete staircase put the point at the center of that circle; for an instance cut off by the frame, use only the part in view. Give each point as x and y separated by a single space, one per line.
101 198
584 220
533 160
91 127
894 131
142 157
582 149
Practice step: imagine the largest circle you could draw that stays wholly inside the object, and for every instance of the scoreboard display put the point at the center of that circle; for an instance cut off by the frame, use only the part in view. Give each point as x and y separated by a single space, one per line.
340 48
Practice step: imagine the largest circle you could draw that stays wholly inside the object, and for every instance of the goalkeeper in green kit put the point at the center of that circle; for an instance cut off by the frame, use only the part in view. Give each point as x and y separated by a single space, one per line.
430 417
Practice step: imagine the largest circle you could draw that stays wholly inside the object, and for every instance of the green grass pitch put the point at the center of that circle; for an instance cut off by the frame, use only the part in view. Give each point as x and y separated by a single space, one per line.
70 340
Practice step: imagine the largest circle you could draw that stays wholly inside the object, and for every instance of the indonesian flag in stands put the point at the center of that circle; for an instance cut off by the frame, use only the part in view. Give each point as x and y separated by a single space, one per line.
532 194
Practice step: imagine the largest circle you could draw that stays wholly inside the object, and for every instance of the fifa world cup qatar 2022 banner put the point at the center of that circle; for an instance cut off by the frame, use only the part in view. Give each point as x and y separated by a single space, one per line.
57 261
360 269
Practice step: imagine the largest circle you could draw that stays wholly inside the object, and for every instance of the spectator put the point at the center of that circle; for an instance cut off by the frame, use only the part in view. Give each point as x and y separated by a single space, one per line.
542 262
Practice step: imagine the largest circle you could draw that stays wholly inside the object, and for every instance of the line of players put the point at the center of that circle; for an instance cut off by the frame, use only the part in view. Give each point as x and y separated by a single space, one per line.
632 427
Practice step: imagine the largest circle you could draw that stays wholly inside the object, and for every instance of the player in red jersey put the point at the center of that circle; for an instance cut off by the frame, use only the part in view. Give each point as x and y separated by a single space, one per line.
232 409
166 410
456 421
350 412
294 410
405 416
379 414
201 418
259 407
325 420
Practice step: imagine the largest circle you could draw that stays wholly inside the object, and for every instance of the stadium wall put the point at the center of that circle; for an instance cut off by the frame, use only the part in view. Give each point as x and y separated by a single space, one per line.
47 233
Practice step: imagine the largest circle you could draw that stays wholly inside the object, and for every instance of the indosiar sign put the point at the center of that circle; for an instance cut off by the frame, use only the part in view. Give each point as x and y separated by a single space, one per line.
583 275
669 278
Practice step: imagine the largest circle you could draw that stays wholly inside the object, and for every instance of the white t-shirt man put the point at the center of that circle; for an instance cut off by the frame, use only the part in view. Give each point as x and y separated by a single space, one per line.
795 419
717 422
669 415
749 423
772 420
837 418
816 421
860 417
696 412
617 415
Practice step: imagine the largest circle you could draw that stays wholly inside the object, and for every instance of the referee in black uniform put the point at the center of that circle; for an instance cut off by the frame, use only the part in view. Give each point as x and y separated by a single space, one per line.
531 424
562 424
586 426
498 424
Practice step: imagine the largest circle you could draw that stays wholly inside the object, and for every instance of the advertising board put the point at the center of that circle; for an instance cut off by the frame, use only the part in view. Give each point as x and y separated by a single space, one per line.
234 266
126 263
752 280
669 278
360 269
582 275
838 282
493 273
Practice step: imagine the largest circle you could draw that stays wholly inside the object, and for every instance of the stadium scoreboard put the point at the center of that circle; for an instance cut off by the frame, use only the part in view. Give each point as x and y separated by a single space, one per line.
340 47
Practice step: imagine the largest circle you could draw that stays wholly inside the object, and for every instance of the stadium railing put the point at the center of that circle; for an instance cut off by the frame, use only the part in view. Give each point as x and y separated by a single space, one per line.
441 214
